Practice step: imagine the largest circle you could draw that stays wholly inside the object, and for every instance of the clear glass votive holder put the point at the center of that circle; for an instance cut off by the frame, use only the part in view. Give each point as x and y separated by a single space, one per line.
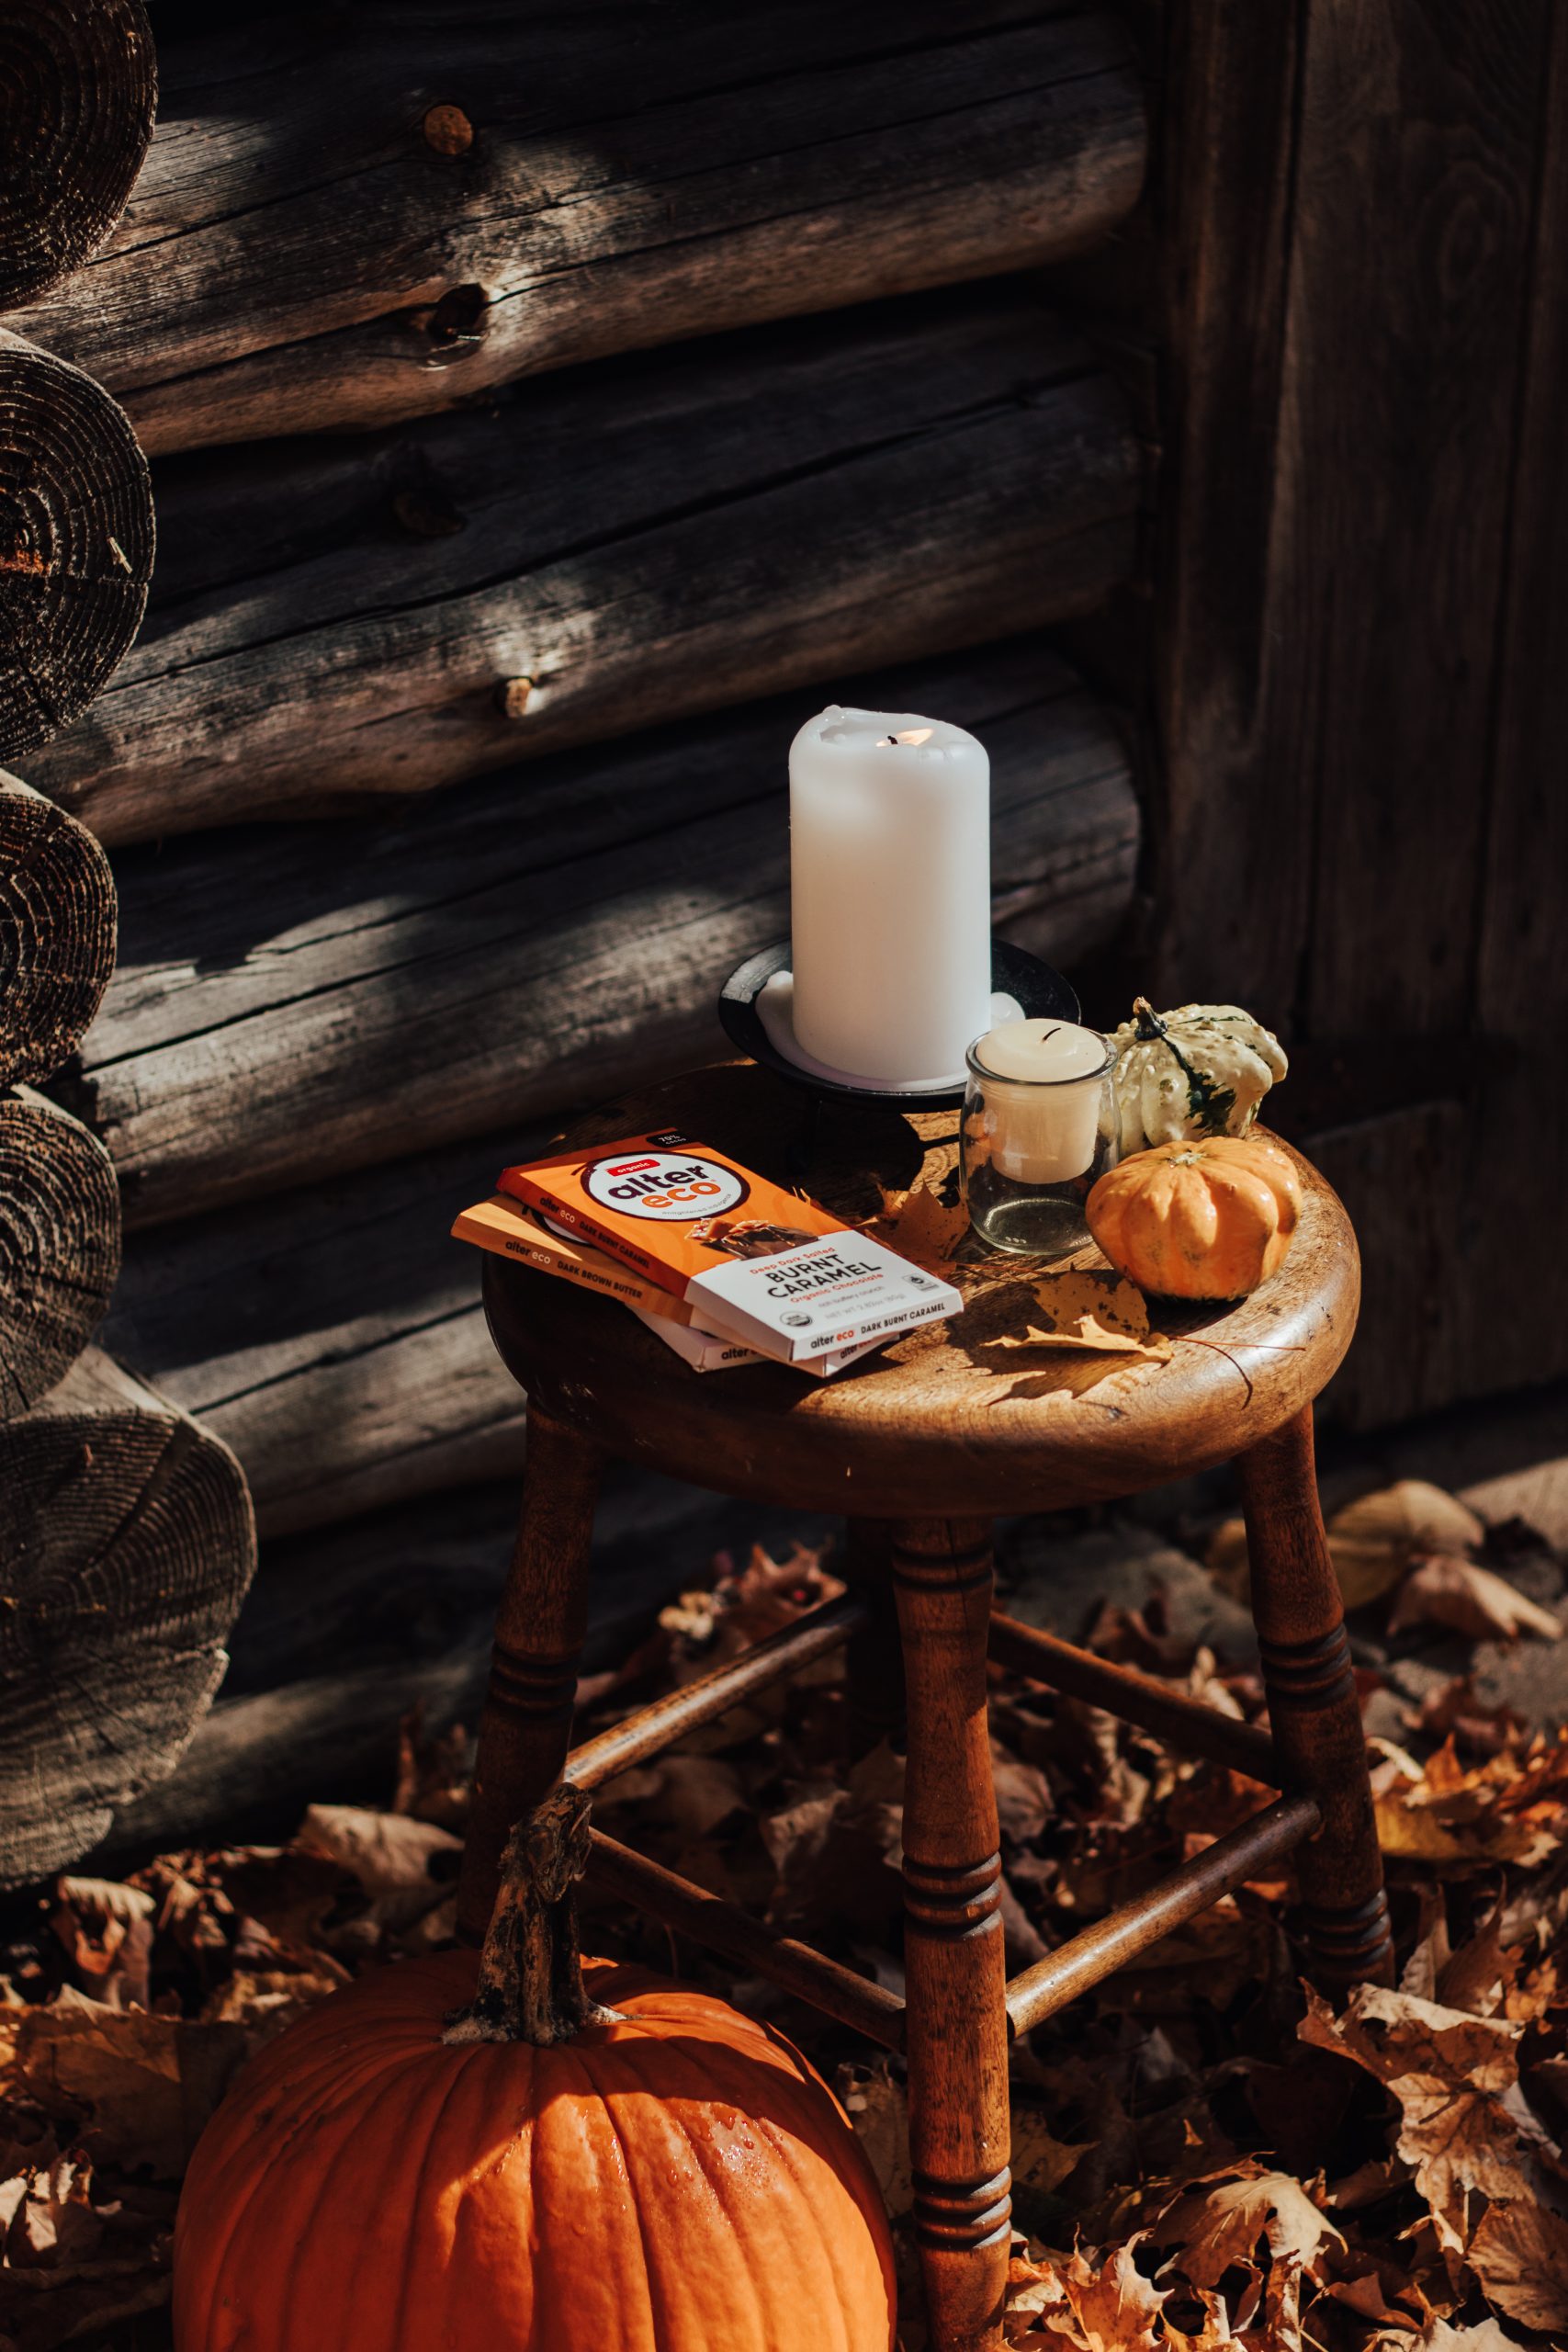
1030 1149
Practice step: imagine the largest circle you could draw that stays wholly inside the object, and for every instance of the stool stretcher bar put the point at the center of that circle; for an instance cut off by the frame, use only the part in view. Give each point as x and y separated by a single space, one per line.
720 1926
1187 1724
1077 1966
653 1729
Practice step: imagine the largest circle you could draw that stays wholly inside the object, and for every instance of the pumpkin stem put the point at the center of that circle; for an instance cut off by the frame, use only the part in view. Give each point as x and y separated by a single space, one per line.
530 1987
1148 1020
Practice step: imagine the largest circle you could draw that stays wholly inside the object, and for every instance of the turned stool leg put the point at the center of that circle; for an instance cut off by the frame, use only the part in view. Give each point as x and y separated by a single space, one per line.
1313 1707
525 1728
873 1661
955 1976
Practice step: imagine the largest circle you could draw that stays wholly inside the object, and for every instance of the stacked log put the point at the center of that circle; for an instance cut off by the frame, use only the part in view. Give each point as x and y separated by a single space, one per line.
78 89
59 1244
75 542
420 207
57 932
126 1547
127 1539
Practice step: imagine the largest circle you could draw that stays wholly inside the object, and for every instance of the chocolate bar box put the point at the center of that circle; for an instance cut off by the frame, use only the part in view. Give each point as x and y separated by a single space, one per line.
757 1263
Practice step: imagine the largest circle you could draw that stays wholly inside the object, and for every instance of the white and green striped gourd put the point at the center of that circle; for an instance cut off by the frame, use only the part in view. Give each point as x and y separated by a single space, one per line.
1201 1071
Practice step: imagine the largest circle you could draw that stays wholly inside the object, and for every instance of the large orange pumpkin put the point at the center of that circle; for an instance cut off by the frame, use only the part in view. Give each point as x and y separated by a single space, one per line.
673 2177
1210 1217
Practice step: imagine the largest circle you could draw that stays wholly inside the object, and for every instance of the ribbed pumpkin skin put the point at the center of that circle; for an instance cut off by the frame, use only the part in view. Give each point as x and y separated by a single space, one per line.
682 2182
1208 1218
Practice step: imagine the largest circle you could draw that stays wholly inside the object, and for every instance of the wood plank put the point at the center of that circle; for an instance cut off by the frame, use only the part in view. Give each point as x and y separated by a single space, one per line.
372 212
295 1003
1340 493
1328 662
339 623
1512 1206
1231 824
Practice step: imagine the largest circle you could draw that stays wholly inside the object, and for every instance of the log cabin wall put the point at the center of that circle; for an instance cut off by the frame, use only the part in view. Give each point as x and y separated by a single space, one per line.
549 409
521 483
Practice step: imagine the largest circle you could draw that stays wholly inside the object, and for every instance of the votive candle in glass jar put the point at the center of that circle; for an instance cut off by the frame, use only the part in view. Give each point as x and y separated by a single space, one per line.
1039 1126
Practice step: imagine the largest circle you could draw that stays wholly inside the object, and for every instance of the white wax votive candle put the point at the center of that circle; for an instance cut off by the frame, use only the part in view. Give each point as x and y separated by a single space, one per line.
1044 1129
890 893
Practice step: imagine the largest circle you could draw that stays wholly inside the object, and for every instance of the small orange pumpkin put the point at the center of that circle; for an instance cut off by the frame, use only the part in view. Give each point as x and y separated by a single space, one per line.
1210 1217
543 2175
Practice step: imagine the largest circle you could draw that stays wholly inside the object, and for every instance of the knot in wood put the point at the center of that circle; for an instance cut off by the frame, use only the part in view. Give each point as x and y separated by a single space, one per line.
458 317
447 130
428 514
512 696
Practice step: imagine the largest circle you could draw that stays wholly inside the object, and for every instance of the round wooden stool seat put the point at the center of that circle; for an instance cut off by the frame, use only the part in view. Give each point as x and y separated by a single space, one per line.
947 1420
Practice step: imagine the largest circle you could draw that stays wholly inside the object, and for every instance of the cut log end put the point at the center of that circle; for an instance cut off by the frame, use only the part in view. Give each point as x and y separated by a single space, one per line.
125 1546
75 542
78 90
57 932
58 1245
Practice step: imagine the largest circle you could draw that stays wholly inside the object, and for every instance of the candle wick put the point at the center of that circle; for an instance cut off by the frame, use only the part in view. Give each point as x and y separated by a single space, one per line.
888 742
1046 1034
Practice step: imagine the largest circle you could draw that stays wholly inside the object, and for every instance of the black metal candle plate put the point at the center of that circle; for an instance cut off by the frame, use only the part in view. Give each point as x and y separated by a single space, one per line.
1041 993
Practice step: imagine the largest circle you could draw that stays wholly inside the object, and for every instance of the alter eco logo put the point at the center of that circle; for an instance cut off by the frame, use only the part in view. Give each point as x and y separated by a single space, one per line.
669 1187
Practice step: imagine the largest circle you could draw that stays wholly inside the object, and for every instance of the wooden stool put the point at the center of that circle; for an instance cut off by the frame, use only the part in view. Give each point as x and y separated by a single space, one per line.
921 1448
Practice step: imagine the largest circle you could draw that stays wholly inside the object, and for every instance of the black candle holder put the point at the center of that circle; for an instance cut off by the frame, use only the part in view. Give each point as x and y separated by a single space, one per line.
1041 994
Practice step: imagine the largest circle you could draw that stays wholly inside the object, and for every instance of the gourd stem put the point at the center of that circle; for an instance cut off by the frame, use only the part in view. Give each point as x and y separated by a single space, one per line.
1150 1025
530 1986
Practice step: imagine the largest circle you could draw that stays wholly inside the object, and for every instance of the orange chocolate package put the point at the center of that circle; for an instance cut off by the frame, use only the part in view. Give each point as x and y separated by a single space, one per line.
762 1264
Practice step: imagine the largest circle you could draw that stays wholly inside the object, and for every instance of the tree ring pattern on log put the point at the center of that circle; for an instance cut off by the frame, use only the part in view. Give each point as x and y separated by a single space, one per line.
126 1547
57 932
58 1245
76 538
78 90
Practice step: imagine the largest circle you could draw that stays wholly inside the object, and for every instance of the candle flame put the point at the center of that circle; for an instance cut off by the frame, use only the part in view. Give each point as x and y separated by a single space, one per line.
909 735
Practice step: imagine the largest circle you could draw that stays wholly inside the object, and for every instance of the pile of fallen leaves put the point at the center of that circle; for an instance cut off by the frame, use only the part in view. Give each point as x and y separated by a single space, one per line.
1205 2154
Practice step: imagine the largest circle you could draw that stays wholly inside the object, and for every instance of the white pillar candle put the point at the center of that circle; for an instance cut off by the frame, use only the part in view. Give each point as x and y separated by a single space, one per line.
890 883
1045 1128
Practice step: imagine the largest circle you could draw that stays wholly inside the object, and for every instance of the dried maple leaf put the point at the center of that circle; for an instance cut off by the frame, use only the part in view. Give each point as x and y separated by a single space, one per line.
1254 2222
920 1225
106 1929
1116 2308
1438 2336
1511 1807
1520 2252
1374 1538
134 2087
1102 2304
1442 1590
1463 2124
1372 1541
404 1866
1081 1307
1218 2223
